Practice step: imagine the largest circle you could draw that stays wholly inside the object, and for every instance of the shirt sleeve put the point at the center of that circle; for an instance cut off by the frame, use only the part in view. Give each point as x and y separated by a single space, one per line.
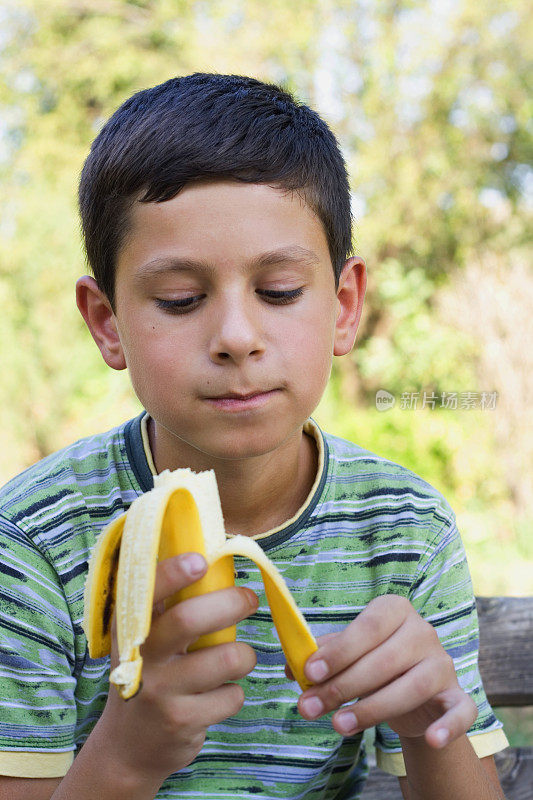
37 681
442 593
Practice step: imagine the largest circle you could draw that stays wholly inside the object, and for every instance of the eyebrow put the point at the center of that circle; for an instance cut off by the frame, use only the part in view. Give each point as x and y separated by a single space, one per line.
286 255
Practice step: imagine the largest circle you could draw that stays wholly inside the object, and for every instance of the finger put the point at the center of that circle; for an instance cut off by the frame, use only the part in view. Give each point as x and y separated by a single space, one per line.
327 637
414 641
320 640
198 712
207 669
173 574
221 703
373 626
423 683
461 714
185 622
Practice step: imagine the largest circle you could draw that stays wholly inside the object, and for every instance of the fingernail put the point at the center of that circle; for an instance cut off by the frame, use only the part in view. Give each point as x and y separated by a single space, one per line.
193 564
317 670
253 599
347 722
313 706
442 736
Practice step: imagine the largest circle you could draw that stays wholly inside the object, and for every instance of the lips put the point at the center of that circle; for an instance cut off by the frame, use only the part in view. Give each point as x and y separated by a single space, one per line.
239 395
242 401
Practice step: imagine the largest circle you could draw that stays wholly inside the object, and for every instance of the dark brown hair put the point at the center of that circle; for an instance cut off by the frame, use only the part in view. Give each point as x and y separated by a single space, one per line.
208 126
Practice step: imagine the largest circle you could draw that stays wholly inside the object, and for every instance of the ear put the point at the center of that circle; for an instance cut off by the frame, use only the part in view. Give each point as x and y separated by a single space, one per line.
99 317
350 296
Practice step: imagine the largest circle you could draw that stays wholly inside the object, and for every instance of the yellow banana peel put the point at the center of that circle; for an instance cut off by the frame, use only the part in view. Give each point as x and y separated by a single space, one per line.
181 514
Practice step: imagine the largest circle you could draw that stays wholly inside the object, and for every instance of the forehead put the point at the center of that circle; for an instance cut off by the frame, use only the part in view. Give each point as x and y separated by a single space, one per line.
225 222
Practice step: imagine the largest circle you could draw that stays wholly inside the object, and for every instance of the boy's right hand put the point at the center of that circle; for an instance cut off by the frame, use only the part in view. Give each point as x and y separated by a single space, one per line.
162 729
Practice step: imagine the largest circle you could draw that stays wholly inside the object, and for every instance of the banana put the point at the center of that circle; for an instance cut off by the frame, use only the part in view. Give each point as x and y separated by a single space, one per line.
182 513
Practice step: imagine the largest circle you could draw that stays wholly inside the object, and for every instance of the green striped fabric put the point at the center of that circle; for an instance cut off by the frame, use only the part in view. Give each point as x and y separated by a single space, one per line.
370 527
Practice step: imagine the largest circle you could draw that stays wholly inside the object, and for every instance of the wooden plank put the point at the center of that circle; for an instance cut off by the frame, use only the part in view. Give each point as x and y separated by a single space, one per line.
506 649
380 786
515 770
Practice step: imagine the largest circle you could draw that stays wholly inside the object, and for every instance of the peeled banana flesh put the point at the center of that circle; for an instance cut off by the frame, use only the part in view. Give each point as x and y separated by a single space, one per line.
181 514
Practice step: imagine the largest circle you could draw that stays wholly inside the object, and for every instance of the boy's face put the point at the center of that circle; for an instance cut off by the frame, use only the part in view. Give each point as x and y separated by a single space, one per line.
227 317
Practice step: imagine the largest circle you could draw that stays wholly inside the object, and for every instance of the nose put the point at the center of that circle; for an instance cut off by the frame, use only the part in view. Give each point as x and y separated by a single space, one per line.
237 332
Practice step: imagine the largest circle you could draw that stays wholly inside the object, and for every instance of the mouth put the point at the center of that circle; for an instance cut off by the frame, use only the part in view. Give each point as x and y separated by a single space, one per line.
238 401
240 395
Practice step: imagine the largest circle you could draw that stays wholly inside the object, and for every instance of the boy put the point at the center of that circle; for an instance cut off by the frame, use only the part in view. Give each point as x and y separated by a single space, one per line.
216 217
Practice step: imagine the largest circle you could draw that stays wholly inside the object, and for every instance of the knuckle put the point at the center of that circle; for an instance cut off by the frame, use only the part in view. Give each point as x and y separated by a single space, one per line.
384 613
401 603
426 636
180 716
443 667
332 695
393 603
425 683
423 689
231 659
367 712
448 663
183 728
249 657
196 742
235 698
396 661
473 710
183 618
167 570
429 632
175 717
154 692
149 690
373 622
234 603
238 659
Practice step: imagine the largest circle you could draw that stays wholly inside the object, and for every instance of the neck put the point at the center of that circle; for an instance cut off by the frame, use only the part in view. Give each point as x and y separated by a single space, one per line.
259 493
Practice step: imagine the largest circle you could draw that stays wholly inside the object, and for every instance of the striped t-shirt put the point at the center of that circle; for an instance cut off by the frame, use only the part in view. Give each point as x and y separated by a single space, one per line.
368 527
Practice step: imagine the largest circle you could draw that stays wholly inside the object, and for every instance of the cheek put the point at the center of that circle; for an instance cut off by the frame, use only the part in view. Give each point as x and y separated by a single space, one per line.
311 341
150 357
314 331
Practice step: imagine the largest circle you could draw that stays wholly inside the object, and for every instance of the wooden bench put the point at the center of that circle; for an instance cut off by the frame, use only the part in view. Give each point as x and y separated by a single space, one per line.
506 666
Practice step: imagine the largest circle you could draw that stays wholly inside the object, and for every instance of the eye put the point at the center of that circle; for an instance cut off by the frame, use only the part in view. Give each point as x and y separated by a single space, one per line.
280 297
181 306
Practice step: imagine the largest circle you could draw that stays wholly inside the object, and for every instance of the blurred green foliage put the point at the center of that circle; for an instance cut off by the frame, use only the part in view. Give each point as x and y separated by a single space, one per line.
431 104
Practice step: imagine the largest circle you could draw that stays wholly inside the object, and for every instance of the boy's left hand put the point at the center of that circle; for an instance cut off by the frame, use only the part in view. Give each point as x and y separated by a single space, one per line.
392 660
